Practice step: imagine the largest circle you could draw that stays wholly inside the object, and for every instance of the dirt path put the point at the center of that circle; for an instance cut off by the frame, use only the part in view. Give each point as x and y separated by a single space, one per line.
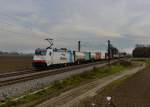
74 96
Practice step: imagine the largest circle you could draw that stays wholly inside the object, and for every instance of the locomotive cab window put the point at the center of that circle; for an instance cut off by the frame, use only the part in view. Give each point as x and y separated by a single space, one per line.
40 52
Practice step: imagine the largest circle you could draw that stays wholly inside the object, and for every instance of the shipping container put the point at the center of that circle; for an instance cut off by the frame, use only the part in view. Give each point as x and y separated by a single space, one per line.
70 56
87 56
103 55
79 56
93 56
98 56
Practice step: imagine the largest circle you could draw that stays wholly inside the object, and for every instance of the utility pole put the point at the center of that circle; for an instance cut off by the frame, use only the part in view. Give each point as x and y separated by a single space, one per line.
79 46
109 52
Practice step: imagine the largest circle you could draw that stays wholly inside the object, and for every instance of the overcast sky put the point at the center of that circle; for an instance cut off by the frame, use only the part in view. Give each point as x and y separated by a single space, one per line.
24 24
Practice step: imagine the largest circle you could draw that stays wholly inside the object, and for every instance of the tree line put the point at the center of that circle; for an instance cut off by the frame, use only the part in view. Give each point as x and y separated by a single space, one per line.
141 51
2 53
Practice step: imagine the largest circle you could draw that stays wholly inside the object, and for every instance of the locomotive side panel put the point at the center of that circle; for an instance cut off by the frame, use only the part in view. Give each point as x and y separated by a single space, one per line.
59 57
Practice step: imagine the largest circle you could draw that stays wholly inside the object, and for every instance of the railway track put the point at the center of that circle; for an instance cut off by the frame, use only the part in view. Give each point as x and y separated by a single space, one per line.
16 73
5 75
17 77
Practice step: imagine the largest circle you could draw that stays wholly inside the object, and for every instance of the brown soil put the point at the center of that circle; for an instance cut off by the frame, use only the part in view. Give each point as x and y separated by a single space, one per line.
14 63
132 92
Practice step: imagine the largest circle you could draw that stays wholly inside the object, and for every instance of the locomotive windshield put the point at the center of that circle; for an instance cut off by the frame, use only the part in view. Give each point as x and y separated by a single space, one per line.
40 52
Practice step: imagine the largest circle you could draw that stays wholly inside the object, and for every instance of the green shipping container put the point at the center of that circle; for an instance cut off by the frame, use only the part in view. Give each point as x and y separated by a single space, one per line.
87 56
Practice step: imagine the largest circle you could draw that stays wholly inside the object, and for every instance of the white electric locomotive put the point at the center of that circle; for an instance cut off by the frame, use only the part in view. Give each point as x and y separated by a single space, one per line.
50 57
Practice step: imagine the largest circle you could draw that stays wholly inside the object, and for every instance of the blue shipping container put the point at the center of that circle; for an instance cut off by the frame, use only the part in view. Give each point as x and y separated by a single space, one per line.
70 57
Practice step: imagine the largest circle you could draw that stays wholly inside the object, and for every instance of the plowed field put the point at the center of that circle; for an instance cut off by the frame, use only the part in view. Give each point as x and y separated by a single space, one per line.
14 63
131 92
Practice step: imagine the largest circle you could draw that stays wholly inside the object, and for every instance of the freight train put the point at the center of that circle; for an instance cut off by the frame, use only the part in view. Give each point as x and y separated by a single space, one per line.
44 58
52 57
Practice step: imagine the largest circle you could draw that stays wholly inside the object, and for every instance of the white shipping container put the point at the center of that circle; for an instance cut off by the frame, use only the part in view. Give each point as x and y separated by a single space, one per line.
79 56
93 55
102 55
